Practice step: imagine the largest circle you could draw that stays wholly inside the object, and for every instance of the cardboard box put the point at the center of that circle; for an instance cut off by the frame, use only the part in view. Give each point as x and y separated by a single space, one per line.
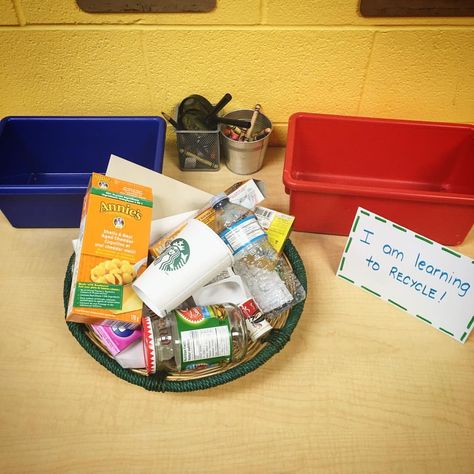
112 251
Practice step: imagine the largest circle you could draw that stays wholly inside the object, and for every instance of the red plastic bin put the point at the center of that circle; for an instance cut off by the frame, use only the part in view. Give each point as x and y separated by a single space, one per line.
418 174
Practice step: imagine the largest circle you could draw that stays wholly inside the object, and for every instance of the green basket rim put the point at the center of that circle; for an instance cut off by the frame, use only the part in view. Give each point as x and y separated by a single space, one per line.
158 383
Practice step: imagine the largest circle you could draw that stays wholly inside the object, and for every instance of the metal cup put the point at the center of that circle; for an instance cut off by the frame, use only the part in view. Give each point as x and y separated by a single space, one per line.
245 157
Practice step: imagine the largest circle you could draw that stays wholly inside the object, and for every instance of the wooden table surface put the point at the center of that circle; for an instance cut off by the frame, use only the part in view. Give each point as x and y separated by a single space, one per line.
362 387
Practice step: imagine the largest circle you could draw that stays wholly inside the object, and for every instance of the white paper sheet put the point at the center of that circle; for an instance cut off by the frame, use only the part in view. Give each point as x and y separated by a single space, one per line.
415 274
170 197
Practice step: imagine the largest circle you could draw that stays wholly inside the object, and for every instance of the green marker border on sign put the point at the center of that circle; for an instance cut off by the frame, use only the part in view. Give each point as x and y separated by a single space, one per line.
447 332
452 252
399 227
397 304
355 224
424 239
348 279
348 245
371 291
470 323
423 319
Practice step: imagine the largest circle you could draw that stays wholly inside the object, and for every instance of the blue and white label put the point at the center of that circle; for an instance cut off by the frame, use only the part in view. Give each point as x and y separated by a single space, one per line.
242 233
123 329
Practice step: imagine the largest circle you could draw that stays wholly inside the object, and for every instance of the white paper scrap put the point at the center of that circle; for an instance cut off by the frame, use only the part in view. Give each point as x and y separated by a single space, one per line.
170 196
159 227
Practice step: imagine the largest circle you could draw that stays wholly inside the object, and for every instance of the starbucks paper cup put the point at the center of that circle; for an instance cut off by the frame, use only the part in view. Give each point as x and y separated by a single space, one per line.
193 259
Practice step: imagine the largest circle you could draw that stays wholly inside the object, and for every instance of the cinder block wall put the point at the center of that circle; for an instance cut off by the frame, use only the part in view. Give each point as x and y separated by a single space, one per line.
314 56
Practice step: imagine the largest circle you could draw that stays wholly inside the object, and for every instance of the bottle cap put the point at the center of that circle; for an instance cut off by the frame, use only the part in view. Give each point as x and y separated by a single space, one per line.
148 345
218 198
257 330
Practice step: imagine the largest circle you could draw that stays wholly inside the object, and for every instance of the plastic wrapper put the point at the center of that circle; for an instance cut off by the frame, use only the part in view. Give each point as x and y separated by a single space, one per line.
276 291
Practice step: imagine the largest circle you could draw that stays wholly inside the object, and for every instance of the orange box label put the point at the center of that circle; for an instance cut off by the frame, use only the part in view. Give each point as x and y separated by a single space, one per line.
113 243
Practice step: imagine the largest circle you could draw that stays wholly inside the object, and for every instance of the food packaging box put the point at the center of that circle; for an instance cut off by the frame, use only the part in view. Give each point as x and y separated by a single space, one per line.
111 253
418 174
117 337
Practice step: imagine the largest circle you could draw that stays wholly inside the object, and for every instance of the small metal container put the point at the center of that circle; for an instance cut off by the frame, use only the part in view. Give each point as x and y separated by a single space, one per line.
245 157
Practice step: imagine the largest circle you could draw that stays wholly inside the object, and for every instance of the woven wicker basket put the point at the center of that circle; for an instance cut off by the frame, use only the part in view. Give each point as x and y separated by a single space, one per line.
257 354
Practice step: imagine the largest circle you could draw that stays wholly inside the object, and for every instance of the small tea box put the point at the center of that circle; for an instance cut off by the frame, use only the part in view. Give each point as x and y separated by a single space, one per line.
117 337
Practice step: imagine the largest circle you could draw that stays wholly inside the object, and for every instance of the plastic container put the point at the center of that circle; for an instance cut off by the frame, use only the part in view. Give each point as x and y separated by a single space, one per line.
418 174
46 162
194 338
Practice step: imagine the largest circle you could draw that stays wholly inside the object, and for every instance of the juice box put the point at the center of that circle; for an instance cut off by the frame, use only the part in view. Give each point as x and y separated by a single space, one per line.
112 251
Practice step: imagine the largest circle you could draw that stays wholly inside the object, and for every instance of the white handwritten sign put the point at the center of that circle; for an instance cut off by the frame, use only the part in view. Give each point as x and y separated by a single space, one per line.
419 276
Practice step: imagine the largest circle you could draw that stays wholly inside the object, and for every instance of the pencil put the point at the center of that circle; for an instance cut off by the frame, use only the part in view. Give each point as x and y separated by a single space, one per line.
170 120
252 121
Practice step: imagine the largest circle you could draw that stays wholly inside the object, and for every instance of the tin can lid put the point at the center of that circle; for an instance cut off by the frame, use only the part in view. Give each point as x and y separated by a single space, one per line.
148 345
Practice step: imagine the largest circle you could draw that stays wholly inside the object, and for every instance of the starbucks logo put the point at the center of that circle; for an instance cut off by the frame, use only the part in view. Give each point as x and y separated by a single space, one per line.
174 257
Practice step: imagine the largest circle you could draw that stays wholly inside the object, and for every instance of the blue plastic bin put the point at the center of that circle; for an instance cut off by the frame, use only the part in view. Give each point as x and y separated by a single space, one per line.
46 162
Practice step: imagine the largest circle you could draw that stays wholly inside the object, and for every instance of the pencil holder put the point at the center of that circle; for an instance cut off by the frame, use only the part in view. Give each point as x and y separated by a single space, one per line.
198 150
246 157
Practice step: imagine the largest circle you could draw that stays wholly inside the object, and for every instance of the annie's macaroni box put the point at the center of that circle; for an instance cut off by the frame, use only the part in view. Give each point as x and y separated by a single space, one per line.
112 251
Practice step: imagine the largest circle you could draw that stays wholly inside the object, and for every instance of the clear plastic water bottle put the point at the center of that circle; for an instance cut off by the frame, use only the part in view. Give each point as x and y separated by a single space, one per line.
194 338
255 258
242 233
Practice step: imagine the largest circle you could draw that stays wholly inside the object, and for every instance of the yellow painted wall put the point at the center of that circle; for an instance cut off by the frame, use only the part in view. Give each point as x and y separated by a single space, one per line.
312 56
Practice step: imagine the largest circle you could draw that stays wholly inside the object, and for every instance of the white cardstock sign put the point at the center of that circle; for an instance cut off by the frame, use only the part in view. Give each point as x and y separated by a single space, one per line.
415 274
